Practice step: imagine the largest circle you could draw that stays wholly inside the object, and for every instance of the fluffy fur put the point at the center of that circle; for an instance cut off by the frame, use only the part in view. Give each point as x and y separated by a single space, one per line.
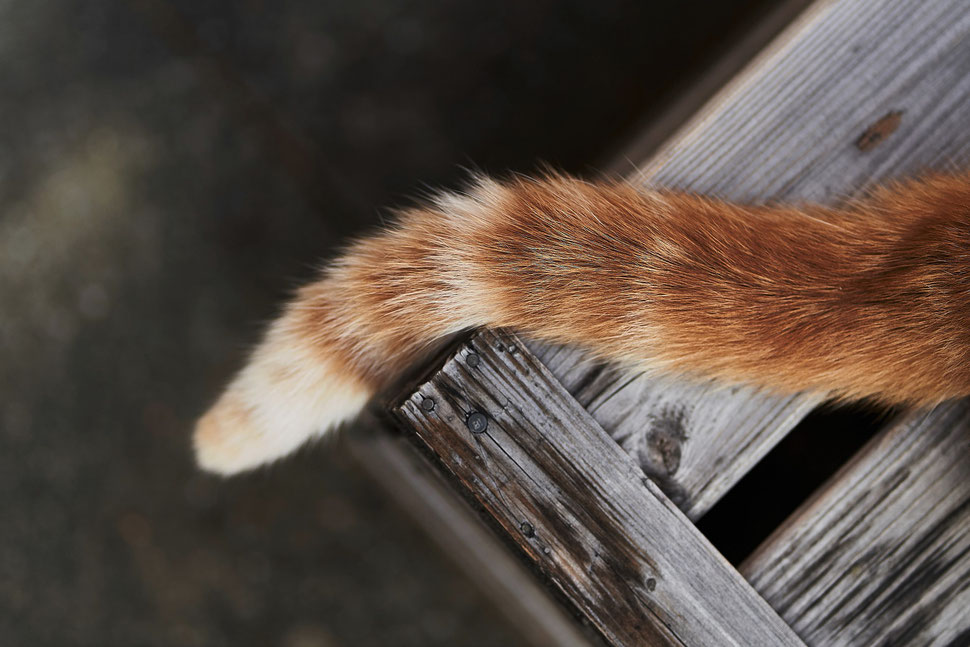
868 300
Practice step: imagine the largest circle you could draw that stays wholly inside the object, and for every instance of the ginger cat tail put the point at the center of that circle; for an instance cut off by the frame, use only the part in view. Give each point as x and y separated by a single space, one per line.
868 300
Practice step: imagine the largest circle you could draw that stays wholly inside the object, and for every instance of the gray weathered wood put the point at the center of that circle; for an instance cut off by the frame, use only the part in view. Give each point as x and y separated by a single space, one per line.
460 534
577 506
693 440
797 124
882 554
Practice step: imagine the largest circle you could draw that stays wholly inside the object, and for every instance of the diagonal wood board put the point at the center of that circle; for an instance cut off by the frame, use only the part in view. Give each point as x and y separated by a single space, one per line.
577 506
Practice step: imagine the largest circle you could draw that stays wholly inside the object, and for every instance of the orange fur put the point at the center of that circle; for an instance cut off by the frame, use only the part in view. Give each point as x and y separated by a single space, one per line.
868 300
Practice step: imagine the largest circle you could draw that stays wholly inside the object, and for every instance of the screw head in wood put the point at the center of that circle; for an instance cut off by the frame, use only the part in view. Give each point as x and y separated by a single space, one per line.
473 360
477 422
527 529
427 404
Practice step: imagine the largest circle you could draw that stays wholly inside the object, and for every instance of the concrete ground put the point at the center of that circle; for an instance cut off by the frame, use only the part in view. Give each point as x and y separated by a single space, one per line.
169 169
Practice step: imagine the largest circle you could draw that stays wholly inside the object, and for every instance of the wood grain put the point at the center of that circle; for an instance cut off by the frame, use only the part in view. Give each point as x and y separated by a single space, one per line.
460 534
787 128
577 506
882 554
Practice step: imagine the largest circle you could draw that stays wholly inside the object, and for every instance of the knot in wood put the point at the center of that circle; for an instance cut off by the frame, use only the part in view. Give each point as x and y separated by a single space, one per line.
661 450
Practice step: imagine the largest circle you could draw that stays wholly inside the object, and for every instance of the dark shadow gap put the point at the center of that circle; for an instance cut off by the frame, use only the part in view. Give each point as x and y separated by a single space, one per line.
808 456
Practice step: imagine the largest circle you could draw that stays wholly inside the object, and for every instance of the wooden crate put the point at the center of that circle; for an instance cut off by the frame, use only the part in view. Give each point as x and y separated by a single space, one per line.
597 476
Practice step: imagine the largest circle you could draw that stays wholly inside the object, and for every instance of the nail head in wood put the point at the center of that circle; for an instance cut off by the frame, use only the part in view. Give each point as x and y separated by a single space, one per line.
427 404
477 422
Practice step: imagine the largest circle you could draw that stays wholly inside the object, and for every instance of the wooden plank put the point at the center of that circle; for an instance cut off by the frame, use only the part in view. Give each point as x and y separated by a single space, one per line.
807 120
693 440
882 554
577 506
460 534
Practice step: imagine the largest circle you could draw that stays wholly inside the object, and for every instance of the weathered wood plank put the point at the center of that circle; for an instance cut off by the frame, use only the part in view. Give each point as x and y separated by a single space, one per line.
460 534
577 506
882 554
797 124
693 440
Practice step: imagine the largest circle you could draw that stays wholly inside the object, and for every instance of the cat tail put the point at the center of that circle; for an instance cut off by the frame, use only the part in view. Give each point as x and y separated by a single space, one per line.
376 308
868 300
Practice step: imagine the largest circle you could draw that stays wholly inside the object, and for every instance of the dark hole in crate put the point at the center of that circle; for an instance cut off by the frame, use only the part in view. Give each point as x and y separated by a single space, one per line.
787 476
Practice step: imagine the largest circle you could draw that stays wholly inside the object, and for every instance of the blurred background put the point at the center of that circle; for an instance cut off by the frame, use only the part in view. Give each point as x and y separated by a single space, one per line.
169 170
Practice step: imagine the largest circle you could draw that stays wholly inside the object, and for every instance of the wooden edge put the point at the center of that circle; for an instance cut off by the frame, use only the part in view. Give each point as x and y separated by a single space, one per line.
725 65
462 537
577 507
